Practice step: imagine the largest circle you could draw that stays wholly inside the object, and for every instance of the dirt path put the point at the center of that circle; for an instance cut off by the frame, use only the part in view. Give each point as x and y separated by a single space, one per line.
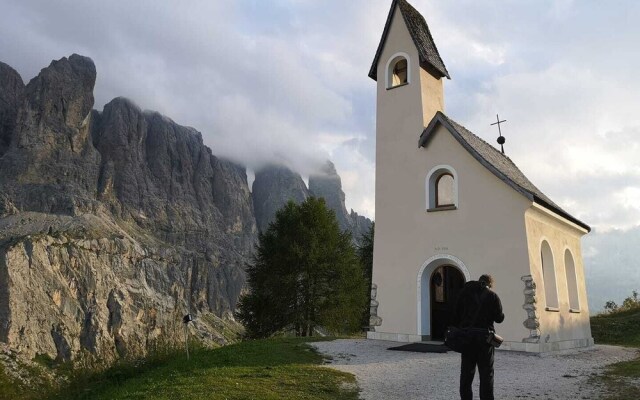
386 375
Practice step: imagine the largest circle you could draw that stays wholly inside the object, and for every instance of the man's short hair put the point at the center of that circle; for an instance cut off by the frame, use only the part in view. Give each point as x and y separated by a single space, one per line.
487 280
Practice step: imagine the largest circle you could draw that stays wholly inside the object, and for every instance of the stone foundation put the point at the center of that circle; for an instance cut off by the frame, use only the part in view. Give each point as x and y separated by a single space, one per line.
526 347
550 347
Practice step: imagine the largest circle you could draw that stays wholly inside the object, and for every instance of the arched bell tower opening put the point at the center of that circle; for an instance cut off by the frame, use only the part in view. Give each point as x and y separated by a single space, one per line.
398 72
439 282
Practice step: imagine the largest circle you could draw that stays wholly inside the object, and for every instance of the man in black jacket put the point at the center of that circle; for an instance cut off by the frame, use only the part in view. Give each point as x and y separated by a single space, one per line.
478 307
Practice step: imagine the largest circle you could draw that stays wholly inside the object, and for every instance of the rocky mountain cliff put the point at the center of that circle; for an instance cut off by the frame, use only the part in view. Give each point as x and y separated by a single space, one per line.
326 183
275 185
115 224
112 224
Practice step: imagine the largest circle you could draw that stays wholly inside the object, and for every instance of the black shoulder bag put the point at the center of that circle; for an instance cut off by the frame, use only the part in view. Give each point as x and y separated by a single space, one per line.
461 339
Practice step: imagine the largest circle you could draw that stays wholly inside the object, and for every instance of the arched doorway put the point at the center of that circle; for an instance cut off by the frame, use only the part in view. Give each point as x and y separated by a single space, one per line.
445 284
424 298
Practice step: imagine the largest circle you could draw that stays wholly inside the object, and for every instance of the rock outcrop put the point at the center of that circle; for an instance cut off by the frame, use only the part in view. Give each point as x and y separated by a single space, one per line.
112 225
274 186
327 184
11 96
50 164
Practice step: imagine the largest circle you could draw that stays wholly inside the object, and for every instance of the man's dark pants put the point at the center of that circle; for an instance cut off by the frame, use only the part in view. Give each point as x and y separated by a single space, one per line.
481 354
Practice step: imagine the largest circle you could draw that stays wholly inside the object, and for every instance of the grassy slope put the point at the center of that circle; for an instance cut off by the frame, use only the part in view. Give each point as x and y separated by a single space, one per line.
621 328
264 369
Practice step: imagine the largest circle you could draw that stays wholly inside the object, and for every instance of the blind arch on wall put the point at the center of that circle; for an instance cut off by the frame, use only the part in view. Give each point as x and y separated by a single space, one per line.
447 178
549 275
572 280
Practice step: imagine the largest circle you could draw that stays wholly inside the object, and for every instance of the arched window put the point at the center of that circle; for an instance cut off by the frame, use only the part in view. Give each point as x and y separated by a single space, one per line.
398 71
572 281
549 277
442 189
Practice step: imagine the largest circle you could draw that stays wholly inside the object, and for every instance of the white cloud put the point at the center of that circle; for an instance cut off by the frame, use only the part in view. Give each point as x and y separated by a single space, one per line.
567 127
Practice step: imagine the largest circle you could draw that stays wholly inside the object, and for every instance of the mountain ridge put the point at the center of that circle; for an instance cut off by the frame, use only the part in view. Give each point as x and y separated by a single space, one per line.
113 223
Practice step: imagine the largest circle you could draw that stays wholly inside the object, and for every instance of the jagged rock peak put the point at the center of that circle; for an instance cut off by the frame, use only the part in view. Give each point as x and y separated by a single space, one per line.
50 164
9 74
163 176
11 96
64 90
326 183
273 187
328 169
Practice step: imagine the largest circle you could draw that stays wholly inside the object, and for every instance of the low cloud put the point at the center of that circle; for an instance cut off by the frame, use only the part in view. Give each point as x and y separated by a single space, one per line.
261 90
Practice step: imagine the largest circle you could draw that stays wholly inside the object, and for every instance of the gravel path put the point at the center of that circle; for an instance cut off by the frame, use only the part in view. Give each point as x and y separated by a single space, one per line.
385 375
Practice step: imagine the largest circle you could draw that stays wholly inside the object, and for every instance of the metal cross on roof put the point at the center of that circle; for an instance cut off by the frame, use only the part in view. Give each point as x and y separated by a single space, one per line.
501 138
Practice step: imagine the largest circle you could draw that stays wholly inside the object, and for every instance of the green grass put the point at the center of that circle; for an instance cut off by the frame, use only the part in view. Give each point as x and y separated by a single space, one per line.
622 379
284 368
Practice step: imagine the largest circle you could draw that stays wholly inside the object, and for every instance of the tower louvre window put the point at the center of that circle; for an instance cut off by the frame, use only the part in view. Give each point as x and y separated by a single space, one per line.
398 70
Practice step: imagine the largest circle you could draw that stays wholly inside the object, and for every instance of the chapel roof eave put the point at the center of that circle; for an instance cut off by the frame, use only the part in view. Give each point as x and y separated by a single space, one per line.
428 53
496 162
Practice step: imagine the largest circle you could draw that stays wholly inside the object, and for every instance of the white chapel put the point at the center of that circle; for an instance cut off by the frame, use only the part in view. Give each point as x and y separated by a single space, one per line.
451 207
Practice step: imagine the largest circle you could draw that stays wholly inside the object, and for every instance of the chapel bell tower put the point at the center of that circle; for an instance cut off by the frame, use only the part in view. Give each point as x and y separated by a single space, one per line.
410 90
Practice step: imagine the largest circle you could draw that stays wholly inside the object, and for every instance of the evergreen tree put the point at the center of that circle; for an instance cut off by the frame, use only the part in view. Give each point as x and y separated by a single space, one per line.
365 253
305 274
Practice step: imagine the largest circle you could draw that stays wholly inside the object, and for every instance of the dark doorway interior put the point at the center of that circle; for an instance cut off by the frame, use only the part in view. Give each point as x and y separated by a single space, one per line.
446 282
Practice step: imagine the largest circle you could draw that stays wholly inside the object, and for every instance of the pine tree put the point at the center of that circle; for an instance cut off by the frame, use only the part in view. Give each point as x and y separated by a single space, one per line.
365 254
305 275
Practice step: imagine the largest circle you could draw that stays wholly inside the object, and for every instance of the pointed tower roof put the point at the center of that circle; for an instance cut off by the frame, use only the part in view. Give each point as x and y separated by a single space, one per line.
430 59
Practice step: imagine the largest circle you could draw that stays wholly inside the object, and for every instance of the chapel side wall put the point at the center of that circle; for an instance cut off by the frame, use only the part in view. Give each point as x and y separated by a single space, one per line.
562 325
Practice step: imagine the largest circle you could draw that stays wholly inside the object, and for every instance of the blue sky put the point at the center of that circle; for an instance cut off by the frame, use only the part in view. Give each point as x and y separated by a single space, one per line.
286 80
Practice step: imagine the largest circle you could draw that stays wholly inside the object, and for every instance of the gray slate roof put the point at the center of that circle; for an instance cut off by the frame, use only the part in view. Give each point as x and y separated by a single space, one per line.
498 163
430 59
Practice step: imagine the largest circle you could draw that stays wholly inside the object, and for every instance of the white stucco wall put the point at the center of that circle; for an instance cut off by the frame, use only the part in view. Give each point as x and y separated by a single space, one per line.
561 325
486 233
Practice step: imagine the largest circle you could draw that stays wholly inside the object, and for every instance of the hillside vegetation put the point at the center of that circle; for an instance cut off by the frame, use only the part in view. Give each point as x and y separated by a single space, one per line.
620 326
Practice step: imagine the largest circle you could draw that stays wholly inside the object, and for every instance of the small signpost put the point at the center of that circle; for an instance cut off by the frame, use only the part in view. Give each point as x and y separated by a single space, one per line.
186 319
